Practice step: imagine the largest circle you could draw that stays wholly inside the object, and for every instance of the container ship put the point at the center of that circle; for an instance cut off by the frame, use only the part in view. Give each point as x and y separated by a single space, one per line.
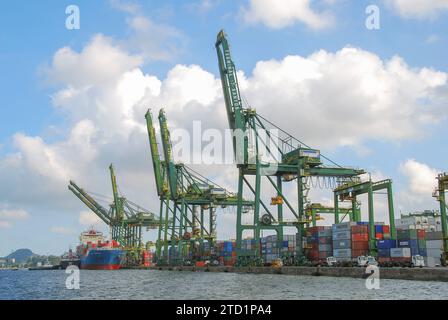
98 254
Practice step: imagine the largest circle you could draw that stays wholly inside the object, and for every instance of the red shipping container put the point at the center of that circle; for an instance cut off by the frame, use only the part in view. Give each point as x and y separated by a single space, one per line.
400 259
386 229
359 229
360 245
383 259
421 234
313 255
378 236
200 264
315 246
360 237
314 230
324 255
325 240
357 253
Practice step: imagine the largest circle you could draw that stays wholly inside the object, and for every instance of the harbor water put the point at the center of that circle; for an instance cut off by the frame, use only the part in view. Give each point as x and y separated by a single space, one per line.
173 285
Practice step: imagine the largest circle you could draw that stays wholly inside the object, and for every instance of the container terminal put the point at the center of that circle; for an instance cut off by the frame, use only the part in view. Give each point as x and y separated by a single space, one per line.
278 233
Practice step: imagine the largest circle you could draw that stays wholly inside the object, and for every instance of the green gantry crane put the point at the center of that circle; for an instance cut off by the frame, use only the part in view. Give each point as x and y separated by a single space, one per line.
124 218
314 211
439 194
290 160
183 192
349 192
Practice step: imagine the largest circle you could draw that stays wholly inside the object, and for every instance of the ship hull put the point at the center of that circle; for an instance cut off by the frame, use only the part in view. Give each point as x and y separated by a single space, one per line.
101 267
101 259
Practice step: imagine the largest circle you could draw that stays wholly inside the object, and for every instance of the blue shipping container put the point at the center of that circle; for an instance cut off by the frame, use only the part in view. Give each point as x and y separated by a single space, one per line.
383 253
408 244
386 244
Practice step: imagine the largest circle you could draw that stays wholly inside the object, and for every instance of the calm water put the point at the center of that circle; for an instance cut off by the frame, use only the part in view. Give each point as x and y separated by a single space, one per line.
151 284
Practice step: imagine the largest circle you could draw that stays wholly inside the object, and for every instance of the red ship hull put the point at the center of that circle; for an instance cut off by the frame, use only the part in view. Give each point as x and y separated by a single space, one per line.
101 267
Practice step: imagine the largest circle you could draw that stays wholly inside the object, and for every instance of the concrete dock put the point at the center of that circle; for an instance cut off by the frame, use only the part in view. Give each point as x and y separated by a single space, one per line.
420 274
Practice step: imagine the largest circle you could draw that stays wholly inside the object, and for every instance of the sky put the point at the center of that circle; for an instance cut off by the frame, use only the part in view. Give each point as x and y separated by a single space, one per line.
73 100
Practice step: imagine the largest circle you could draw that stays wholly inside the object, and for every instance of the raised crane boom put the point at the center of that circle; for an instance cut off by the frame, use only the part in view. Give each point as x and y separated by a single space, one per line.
156 162
119 211
167 149
99 210
229 81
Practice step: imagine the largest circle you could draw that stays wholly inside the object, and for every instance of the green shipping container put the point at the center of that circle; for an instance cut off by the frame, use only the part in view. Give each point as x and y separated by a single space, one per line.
422 244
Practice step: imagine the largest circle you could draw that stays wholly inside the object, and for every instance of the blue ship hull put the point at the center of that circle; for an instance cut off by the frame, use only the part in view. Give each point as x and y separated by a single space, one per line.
102 259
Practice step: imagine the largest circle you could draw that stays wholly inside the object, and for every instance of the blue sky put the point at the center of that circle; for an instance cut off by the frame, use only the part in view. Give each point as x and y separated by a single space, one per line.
32 32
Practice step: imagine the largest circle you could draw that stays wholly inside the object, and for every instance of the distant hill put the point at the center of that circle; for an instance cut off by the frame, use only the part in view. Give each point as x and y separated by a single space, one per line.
20 255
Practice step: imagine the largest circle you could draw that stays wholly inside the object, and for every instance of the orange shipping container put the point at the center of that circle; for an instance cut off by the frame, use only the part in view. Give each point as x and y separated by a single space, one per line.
357 253
359 229
360 237
360 245
378 236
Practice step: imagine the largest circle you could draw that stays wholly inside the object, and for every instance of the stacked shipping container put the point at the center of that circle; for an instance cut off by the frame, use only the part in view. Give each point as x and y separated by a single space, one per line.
226 251
269 249
318 243
350 240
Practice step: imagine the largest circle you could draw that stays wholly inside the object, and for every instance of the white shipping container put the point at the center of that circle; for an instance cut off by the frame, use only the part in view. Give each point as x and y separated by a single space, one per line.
434 244
432 262
342 235
436 253
343 226
400 252
342 253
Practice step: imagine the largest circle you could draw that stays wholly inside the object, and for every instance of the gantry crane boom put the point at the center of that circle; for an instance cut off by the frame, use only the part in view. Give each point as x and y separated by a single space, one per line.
229 81
102 213
156 162
119 210
90 205
167 150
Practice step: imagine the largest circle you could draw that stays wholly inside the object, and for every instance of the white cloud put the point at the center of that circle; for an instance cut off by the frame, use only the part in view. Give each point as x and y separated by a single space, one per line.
128 7
154 41
420 9
61 230
14 214
280 14
5 224
433 38
417 187
422 178
346 97
88 218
